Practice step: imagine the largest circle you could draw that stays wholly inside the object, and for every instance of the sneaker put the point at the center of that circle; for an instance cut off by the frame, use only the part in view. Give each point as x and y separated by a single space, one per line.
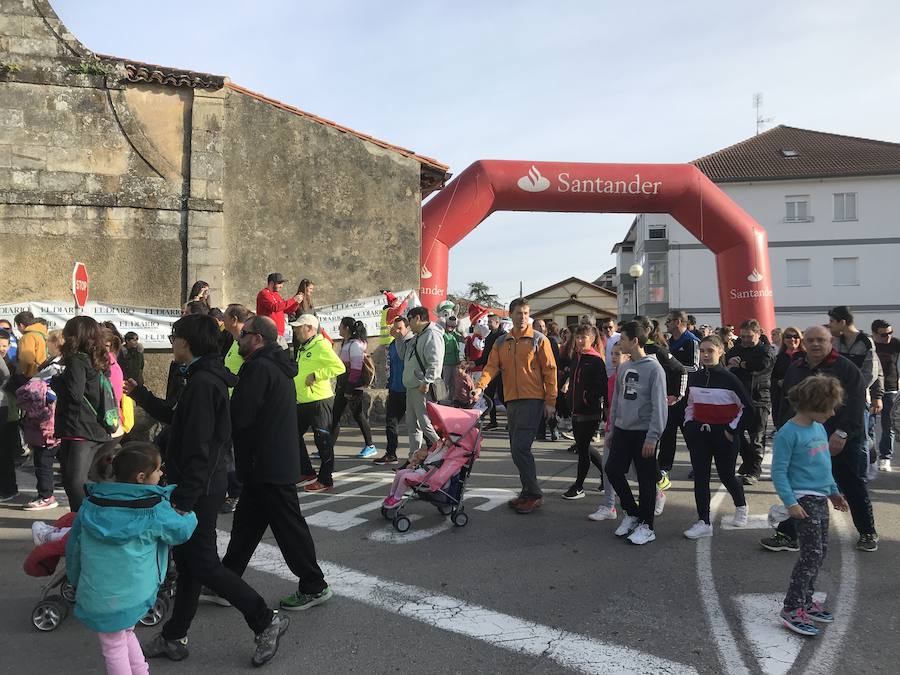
390 502
554 435
573 493
174 650
884 465
604 513
515 503
749 480
8 498
297 602
741 515
779 542
229 505
628 524
317 487
596 438
209 595
642 535
664 482
366 452
387 459
40 504
568 435
573 449
660 503
699 530
306 479
315 455
799 622
817 612
529 504
267 641
867 542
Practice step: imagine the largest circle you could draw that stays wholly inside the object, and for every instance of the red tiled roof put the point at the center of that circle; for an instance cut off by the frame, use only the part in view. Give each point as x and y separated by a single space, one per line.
137 71
818 155
428 161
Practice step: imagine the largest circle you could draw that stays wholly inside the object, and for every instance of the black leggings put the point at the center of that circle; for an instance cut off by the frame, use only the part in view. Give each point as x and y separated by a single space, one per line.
705 443
627 447
75 461
355 403
584 431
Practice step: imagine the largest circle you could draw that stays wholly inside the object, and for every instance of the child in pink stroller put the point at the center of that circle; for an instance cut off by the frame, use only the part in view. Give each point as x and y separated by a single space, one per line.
438 474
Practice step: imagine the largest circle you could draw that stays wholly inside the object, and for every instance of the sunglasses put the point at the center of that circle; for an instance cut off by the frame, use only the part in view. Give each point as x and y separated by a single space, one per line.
786 336
172 339
886 334
245 333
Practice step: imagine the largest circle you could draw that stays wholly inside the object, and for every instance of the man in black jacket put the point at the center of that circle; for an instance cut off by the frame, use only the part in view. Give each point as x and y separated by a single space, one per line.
751 360
496 385
267 460
846 437
196 455
684 346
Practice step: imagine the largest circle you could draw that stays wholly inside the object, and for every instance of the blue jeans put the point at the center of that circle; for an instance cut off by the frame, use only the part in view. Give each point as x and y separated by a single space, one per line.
886 445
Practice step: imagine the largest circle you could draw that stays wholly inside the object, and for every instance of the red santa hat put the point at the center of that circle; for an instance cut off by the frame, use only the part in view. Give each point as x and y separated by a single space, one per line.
390 297
477 312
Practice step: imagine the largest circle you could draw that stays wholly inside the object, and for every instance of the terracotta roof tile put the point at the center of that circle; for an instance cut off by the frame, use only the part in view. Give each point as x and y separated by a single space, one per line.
137 71
784 152
428 161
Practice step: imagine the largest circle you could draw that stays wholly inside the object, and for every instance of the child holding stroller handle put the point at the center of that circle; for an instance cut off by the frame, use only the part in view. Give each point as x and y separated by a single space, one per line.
117 552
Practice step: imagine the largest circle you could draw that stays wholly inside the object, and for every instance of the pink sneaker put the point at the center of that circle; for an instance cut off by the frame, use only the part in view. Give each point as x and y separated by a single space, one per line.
40 504
391 502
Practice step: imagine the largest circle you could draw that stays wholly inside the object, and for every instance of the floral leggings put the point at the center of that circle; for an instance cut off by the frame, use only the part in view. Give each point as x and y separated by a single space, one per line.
812 533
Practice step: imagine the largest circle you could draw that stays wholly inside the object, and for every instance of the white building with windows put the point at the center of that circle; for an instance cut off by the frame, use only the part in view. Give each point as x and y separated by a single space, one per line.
831 207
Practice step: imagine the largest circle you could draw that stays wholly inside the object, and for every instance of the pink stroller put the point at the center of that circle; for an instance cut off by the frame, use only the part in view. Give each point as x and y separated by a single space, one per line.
447 466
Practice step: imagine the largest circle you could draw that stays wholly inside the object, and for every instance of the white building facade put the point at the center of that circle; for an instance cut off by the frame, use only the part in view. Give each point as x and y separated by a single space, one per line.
833 239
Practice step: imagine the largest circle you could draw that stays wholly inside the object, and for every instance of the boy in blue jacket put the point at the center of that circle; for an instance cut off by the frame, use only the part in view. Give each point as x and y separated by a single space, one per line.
118 549
801 473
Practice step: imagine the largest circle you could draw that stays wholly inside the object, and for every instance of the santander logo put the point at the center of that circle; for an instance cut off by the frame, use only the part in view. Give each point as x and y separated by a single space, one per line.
534 181
755 276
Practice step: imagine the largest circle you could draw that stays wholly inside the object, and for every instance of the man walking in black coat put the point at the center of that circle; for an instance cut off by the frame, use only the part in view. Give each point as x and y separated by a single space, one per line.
267 461
196 461
752 361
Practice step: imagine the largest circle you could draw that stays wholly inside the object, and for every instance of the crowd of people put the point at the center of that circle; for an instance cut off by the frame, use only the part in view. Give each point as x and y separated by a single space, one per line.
246 385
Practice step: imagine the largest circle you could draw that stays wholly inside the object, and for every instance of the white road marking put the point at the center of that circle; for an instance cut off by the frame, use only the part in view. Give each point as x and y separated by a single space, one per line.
344 520
756 521
388 535
730 657
774 646
330 498
569 650
825 658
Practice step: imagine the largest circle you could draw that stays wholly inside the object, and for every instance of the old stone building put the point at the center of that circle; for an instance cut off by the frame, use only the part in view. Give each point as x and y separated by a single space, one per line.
155 177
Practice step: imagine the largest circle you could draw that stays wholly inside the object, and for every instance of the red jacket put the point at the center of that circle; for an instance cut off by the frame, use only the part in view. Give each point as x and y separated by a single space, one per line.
271 304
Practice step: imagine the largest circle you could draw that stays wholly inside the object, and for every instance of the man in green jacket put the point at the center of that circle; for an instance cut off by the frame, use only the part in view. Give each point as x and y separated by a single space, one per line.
317 364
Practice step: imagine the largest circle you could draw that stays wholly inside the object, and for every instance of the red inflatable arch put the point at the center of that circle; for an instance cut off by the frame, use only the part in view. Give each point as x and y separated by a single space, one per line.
739 243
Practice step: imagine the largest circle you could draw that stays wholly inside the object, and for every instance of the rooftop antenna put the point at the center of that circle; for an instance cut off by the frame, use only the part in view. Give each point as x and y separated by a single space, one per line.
760 120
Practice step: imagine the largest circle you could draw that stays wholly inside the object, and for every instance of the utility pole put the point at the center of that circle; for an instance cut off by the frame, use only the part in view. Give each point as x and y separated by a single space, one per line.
520 289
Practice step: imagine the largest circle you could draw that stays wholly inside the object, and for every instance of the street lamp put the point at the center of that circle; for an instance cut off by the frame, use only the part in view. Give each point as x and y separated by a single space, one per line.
636 271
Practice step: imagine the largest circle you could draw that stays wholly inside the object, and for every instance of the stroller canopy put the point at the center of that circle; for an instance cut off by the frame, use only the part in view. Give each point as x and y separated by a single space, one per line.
452 421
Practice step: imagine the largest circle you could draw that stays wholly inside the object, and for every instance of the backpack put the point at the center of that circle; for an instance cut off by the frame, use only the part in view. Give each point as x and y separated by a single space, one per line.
108 414
367 376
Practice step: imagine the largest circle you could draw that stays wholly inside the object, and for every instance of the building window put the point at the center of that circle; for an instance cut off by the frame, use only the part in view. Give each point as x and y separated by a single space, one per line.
798 272
845 206
797 209
656 276
656 231
571 318
846 271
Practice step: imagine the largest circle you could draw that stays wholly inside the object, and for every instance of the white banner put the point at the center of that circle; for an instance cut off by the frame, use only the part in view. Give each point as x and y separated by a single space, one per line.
367 310
152 324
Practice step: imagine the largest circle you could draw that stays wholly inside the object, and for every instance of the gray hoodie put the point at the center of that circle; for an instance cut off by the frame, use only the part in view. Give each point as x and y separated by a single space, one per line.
425 349
639 402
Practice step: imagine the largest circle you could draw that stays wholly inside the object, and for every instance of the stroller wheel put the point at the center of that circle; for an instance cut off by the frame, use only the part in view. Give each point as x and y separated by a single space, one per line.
402 524
49 613
67 591
460 519
445 509
157 612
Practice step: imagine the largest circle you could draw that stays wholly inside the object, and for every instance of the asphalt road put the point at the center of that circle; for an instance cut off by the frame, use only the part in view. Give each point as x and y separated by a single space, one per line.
550 592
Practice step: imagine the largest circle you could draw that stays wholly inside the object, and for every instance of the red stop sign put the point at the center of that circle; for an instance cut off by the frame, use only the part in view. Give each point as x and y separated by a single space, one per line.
80 284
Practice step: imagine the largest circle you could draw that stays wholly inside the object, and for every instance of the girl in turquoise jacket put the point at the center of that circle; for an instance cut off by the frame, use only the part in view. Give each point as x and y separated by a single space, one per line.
117 552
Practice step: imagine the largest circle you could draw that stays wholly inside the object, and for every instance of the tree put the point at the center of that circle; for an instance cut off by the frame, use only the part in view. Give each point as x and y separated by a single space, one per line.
480 293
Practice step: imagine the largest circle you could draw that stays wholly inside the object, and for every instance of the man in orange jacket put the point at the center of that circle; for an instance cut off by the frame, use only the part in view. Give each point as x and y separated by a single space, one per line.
525 360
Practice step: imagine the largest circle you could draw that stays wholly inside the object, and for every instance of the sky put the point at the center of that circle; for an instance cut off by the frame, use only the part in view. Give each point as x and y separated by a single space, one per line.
650 81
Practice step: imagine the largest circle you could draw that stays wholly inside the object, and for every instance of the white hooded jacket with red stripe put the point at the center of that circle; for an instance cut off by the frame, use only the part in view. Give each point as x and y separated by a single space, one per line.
715 396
